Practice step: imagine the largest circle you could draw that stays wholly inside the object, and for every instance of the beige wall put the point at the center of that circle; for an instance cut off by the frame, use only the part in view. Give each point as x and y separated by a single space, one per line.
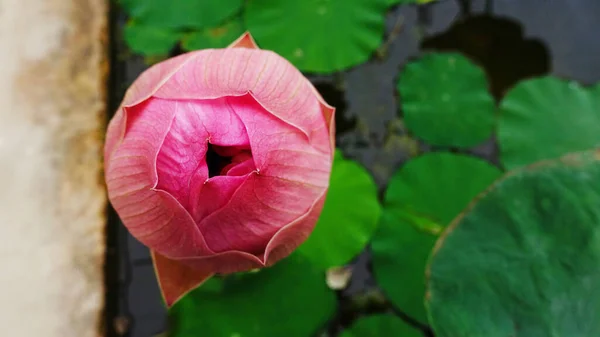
52 202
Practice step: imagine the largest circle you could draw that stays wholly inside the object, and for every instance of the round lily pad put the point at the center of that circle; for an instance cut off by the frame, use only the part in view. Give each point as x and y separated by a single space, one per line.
445 100
217 37
181 14
319 36
149 40
289 299
349 216
545 118
379 326
524 260
422 197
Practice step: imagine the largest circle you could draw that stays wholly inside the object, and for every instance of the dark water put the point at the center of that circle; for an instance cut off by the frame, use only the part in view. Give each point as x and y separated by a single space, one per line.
510 39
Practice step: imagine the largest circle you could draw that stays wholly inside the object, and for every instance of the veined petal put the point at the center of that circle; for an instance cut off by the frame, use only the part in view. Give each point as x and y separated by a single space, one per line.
153 78
279 87
181 163
279 150
242 68
176 279
153 217
255 212
288 238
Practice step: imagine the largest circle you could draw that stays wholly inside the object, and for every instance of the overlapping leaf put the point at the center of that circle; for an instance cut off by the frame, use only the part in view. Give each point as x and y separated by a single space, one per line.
318 36
525 259
422 198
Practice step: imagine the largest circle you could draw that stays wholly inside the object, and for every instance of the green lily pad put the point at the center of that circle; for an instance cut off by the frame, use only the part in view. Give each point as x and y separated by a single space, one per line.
289 299
149 40
545 118
445 100
422 197
524 261
320 36
409 2
181 14
217 37
349 217
380 326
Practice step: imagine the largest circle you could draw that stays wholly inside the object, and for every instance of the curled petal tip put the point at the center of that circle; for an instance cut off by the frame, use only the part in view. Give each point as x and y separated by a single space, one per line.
176 279
244 41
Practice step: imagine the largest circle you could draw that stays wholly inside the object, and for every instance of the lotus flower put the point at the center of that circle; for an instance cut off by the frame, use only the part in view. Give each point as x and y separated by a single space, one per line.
219 161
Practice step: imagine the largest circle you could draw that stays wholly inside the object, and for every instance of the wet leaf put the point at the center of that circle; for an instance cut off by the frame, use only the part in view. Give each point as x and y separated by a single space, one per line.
524 260
349 217
423 196
318 36
149 40
445 100
180 14
545 118
216 37
289 299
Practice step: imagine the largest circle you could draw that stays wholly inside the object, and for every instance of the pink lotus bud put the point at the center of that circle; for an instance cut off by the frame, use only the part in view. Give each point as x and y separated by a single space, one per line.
219 161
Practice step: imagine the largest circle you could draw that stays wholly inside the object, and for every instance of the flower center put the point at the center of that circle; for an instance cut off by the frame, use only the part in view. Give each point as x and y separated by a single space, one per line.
228 160
215 162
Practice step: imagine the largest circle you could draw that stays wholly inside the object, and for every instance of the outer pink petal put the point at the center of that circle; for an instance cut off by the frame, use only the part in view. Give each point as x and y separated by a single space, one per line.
272 80
152 79
176 279
153 217
288 238
244 41
329 115
213 73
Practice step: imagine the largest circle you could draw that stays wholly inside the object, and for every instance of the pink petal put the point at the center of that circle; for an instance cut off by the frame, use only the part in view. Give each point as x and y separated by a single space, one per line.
290 176
239 168
272 80
244 41
288 238
255 212
281 151
214 194
153 217
152 79
181 164
114 135
176 279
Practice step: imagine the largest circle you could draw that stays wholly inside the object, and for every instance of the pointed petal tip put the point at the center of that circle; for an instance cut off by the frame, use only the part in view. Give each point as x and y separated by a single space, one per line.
176 279
244 41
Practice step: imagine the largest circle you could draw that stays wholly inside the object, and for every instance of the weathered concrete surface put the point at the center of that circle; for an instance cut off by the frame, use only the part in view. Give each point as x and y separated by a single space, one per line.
52 200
